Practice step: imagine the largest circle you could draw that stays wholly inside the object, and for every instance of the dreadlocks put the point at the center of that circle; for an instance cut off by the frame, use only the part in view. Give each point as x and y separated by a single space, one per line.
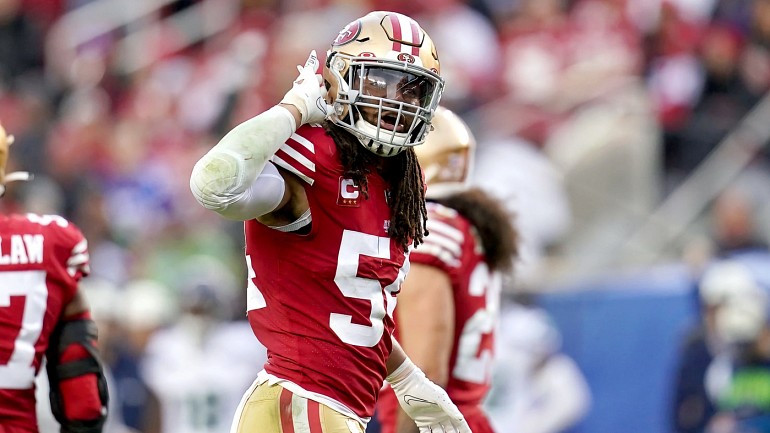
402 172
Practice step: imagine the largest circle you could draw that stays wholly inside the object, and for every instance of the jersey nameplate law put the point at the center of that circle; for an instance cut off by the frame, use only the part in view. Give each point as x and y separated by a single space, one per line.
21 249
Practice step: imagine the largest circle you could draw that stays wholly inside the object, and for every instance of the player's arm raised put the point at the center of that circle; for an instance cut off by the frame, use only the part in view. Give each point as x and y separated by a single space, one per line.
236 178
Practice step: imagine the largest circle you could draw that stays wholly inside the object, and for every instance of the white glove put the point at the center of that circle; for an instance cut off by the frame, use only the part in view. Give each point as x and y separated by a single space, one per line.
425 402
308 93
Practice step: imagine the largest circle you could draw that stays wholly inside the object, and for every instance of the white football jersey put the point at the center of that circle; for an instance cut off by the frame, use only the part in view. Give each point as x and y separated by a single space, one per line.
200 377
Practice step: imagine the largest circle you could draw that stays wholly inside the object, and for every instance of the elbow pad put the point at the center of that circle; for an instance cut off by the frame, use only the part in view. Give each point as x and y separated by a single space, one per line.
263 196
78 394
230 170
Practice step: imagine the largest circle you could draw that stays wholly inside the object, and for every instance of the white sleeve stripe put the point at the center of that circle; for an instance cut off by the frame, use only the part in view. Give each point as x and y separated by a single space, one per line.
80 247
285 165
300 158
445 230
77 259
439 253
439 240
307 144
84 268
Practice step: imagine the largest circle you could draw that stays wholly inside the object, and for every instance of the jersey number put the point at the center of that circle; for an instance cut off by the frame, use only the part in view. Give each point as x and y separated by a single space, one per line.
17 348
473 362
355 244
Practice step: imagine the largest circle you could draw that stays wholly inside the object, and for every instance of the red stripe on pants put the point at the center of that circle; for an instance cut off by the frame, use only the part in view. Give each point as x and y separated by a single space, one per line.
314 416
287 421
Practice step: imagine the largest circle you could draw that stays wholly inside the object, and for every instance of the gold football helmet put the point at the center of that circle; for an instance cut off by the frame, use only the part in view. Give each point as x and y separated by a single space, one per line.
382 73
5 143
447 155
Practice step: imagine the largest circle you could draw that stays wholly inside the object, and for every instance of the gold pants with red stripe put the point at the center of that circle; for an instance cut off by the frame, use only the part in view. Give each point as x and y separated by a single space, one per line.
274 409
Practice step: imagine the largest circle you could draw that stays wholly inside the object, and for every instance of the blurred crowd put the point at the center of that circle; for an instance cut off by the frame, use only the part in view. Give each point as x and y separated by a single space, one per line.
589 113
590 116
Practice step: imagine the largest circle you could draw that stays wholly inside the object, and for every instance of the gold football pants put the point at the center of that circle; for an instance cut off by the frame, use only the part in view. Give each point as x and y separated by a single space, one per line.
274 409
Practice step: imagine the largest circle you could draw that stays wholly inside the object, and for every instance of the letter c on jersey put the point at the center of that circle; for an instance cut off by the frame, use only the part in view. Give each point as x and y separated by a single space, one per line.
349 193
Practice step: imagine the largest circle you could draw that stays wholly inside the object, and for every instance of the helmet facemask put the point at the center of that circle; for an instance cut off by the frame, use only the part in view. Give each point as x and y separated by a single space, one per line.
386 104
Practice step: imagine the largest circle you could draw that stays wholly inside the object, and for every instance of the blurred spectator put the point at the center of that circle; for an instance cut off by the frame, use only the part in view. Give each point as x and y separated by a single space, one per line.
535 194
289 46
534 53
721 284
201 365
674 73
736 64
608 147
537 388
738 381
471 63
755 62
734 215
115 261
146 307
21 47
735 224
572 80
736 12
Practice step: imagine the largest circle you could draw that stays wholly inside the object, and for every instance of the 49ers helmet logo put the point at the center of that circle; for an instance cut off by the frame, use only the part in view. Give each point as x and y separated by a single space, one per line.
347 34
404 57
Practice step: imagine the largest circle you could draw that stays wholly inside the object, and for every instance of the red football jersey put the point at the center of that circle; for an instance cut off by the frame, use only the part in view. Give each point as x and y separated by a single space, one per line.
321 302
454 247
42 258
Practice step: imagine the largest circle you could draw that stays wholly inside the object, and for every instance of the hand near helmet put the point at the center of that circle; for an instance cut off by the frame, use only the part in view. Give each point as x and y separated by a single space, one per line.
308 94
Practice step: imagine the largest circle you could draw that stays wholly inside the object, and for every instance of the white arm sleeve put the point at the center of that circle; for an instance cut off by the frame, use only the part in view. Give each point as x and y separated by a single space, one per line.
261 197
232 180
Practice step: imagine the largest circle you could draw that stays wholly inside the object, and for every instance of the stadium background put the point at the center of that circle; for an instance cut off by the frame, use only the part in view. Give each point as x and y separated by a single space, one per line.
628 136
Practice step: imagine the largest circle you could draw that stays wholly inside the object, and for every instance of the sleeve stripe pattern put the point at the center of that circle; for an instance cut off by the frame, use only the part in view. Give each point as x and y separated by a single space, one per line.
79 259
297 156
444 242
307 144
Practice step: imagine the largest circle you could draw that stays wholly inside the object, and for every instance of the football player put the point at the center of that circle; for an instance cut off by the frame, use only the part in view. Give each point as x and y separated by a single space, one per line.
200 366
449 303
332 197
43 313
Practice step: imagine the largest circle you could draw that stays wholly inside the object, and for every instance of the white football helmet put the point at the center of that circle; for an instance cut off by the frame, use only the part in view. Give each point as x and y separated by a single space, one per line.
383 76
726 280
446 157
